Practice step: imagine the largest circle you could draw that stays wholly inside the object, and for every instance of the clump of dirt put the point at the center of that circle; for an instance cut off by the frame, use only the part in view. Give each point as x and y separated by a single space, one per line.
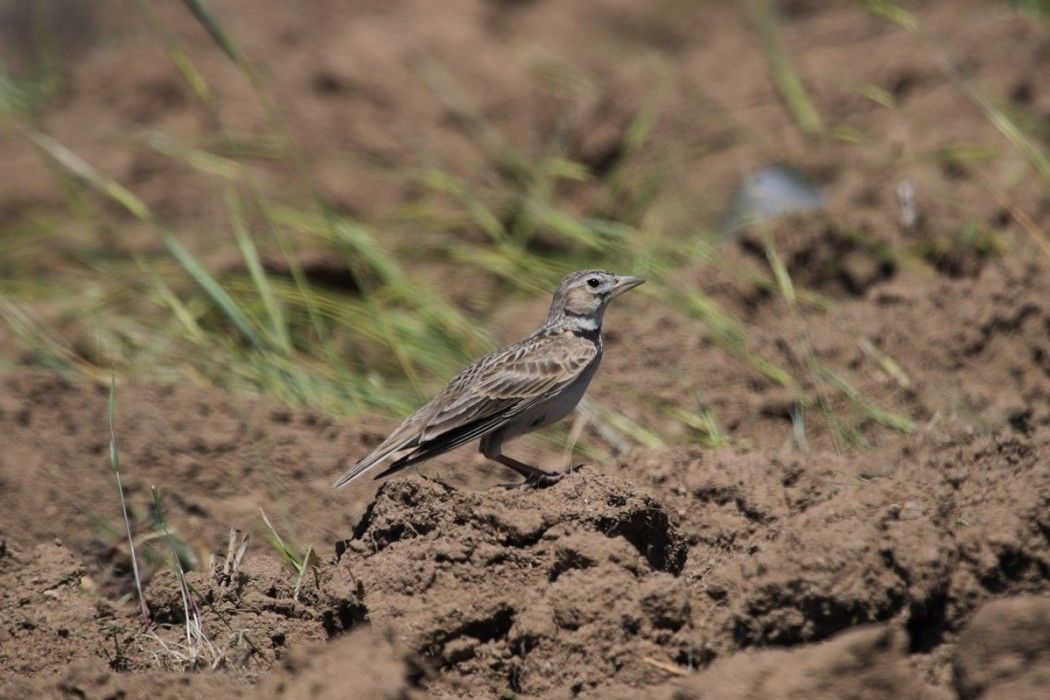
1005 651
871 662
585 570
363 664
46 613
93 679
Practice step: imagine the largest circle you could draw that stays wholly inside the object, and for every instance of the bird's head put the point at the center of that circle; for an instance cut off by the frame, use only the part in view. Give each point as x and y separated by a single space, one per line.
582 296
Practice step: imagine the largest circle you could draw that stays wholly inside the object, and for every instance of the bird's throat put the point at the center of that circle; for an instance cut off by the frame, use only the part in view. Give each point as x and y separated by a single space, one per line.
584 326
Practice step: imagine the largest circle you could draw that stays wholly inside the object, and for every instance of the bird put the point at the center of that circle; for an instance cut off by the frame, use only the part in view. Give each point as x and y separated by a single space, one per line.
520 388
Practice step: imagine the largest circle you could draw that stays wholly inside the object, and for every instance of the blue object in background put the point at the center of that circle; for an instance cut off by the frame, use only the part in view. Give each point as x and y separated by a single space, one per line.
771 192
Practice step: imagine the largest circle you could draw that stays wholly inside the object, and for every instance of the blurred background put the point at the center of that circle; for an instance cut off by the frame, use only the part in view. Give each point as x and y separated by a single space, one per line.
340 203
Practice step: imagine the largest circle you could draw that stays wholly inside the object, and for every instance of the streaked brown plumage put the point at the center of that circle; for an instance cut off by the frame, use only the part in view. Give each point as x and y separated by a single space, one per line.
522 387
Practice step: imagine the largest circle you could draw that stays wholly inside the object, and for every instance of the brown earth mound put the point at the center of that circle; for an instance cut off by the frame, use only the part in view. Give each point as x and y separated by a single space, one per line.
599 583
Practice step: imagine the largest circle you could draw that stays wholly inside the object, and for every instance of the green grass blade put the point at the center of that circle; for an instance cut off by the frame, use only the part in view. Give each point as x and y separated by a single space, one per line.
214 29
114 459
80 168
250 255
211 286
780 271
789 83
608 419
894 421
294 559
892 12
477 211
196 158
702 421
1004 123
178 57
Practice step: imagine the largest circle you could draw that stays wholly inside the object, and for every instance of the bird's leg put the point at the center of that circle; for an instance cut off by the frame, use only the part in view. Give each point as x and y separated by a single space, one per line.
535 478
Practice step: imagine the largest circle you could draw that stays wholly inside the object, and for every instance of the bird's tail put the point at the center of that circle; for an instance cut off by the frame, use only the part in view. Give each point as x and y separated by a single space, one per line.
378 456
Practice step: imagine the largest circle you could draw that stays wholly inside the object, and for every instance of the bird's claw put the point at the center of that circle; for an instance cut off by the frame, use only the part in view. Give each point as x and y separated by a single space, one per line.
541 479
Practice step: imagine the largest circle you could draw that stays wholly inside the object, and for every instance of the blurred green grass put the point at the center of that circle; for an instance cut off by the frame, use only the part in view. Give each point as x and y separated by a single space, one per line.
386 339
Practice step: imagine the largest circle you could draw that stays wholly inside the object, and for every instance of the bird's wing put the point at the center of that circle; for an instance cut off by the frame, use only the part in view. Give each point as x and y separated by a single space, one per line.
507 383
483 397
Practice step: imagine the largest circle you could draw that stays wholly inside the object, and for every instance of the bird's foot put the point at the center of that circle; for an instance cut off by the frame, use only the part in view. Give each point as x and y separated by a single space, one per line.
541 479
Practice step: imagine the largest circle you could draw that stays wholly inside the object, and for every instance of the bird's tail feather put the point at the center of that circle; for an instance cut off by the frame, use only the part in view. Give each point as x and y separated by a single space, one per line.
409 451
368 463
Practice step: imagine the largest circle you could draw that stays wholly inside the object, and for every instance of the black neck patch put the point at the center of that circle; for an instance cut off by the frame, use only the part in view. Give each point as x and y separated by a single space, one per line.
592 334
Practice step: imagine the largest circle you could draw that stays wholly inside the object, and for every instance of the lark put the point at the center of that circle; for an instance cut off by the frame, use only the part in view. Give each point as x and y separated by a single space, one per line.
523 387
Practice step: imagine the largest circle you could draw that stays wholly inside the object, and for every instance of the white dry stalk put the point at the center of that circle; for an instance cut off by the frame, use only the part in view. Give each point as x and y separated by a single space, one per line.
909 214
197 650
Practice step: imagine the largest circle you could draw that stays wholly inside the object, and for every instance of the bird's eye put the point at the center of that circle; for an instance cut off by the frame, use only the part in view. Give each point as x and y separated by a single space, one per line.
593 283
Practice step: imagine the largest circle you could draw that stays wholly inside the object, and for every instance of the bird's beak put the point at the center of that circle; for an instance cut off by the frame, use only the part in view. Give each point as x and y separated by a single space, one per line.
624 284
